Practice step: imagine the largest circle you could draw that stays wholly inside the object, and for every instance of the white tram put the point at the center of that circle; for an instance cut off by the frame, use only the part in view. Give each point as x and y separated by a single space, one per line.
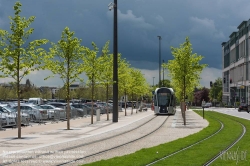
164 101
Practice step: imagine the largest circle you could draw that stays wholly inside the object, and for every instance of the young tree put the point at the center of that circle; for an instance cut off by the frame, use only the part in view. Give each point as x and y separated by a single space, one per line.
216 90
139 86
64 59
124 79
106 76
184 70
92 70
19 57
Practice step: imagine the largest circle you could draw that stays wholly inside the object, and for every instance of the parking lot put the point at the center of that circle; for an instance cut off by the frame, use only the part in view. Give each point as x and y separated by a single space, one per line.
32 115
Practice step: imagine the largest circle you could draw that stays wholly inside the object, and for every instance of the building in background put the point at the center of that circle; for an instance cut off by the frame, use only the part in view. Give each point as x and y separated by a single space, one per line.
235 66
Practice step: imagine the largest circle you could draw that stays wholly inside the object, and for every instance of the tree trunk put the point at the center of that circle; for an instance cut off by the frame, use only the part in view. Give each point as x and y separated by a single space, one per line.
107 99
132 104
125 105
184 110
68 106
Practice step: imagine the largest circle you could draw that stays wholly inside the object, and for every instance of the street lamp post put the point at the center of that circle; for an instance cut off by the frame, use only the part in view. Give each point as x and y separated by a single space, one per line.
115 63
159 60
163 74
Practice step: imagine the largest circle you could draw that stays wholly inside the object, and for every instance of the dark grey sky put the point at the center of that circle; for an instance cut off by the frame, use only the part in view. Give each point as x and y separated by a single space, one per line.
207 23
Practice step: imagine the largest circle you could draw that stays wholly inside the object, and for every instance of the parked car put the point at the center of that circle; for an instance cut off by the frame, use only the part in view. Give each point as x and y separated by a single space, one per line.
106 106
3 121
35 112
86 109
131 103
52 110
122 104
95 107
74 111
207 105
58 104
24 116
7 119
243 107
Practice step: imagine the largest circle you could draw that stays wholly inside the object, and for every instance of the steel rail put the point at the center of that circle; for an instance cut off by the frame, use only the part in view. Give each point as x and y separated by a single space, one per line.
222 126
227 148
106 150
79 145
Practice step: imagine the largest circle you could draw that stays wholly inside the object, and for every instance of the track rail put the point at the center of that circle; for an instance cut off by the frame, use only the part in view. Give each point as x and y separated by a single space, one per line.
222 126
227 148
82 144
215 157
106 150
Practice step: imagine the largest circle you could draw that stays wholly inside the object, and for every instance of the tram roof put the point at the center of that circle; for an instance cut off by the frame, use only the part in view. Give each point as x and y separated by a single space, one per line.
170 89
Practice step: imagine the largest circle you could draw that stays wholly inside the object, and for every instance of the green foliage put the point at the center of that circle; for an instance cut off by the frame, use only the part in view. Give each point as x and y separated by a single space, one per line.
19 58
92 66
65 59
216 90
106 76
184 69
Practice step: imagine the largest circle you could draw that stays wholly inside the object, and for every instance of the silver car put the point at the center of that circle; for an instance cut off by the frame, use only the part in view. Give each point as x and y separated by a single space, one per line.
25 118
36 113
7 119
54 112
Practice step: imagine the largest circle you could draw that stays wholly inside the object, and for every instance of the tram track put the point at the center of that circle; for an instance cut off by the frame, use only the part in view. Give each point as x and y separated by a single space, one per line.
210 161
227 148
163 158
57 149
118 146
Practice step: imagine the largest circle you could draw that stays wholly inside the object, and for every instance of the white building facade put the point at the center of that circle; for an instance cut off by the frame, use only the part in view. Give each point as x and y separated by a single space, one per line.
236 69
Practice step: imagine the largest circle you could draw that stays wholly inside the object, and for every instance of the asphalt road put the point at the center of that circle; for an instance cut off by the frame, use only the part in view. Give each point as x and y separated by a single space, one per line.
230 111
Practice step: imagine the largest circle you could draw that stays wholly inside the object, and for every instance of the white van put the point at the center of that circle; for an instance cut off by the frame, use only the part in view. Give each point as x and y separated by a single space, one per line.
36 101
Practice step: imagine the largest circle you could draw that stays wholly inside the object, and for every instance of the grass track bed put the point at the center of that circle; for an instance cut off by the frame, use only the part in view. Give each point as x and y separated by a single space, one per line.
196 155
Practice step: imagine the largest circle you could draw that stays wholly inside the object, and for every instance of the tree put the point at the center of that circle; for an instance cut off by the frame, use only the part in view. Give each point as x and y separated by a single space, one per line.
20 57
4 92
200 95
92 70
124 79
184 70
139 86
106 76
64 59
216 90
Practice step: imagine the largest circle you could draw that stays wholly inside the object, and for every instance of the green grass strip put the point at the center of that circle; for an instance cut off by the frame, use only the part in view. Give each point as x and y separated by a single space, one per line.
199 154
239 154
145 156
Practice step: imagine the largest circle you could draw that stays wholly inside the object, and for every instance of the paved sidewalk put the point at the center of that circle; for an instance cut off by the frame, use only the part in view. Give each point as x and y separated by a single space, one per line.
40 136
54 133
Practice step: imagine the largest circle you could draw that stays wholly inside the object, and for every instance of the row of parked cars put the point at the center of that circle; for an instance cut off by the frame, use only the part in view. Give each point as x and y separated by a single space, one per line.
48 111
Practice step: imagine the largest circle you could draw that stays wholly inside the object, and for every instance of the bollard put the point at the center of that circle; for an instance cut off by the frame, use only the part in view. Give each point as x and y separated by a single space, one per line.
98 115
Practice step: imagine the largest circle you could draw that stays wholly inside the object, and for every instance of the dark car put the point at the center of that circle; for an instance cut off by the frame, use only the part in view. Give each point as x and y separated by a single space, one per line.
95 107
85 108
243 107
106 106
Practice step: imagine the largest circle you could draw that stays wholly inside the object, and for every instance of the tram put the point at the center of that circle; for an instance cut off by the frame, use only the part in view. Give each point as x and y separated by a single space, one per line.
164 101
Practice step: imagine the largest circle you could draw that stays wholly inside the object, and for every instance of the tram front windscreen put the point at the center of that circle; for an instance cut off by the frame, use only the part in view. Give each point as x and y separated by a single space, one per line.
163 99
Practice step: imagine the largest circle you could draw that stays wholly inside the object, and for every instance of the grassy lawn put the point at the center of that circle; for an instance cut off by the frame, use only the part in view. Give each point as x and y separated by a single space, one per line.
198 154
